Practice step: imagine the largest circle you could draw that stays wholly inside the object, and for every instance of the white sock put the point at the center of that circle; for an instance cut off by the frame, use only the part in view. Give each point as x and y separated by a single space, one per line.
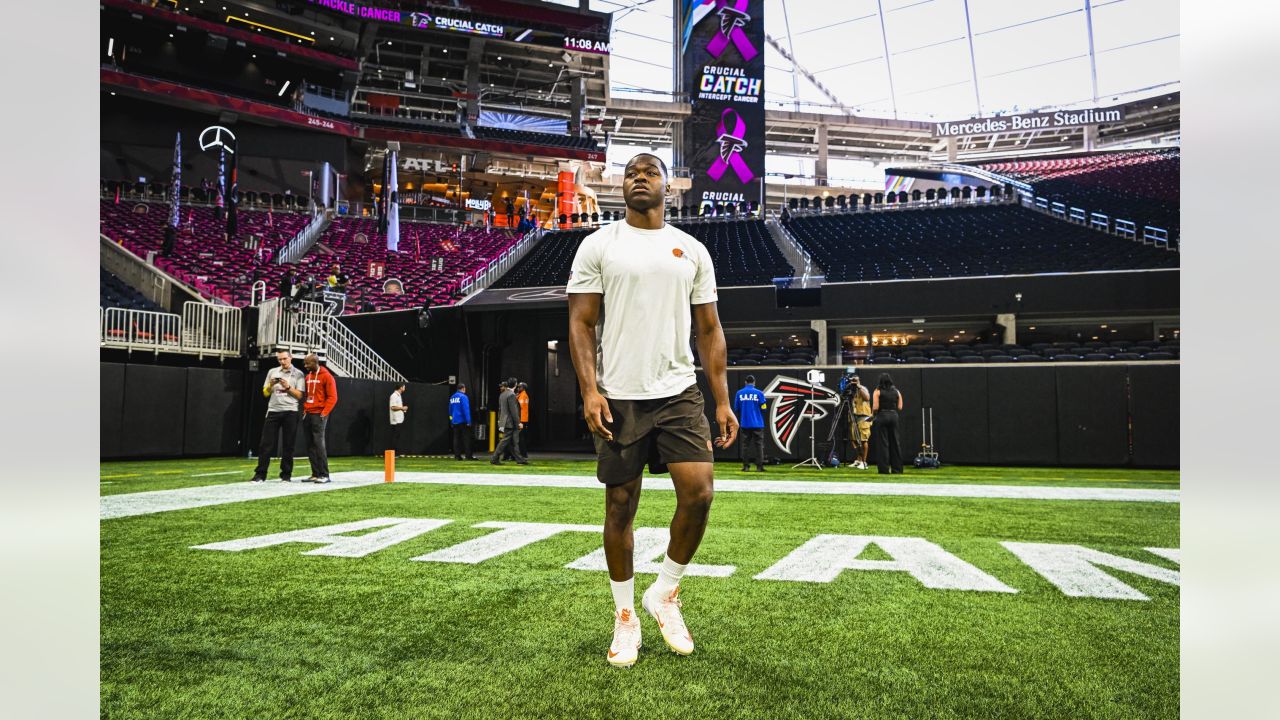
624 594
669 576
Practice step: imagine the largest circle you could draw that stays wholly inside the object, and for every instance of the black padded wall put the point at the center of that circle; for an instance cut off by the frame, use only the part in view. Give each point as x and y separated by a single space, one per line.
1092 415
958 396
1154 402
154 411
213 411
110 409
1022 416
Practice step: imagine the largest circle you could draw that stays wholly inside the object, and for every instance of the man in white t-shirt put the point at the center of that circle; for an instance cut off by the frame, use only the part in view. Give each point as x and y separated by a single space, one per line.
635 290
397 409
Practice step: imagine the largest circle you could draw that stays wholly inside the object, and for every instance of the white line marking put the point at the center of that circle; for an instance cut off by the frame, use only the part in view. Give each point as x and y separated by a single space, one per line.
799 487
144 503
225 472
128 504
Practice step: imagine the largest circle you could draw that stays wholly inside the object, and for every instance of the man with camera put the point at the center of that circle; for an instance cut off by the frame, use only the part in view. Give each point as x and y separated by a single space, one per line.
283 388
852 391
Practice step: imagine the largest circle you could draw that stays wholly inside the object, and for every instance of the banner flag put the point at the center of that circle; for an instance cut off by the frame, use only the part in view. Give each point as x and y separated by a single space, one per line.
233 198
175 218
393 207
222 182
382 199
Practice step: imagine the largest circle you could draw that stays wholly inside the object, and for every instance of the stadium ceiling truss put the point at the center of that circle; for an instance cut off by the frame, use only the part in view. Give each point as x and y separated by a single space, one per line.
430 73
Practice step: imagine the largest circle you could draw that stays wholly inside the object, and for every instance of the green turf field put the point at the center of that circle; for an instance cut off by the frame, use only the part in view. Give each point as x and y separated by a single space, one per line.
273 633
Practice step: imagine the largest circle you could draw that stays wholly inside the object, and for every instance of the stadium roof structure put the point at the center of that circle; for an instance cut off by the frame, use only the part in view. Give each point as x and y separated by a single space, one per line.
446 62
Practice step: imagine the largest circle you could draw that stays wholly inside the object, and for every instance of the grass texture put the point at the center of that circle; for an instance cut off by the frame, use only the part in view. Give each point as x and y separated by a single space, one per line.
272 633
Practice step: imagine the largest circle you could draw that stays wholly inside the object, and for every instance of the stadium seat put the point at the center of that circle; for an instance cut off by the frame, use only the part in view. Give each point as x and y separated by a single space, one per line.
963 242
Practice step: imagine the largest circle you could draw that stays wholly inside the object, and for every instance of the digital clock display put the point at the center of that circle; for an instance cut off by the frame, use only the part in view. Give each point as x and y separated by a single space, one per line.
586 45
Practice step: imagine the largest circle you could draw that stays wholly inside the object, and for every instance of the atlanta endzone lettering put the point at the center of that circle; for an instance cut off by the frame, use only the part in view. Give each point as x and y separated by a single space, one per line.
1073 569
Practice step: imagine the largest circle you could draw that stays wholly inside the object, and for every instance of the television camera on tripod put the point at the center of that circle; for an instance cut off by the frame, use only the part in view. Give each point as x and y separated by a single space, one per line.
854 413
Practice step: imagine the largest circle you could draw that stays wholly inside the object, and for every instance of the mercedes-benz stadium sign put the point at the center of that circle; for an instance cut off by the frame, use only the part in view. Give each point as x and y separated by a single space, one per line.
1028 121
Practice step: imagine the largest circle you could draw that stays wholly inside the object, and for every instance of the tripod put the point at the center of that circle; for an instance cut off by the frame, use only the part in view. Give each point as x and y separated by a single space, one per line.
813 454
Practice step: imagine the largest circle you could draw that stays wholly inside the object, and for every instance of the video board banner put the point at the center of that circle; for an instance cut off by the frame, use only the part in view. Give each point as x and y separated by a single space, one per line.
723 50
468 23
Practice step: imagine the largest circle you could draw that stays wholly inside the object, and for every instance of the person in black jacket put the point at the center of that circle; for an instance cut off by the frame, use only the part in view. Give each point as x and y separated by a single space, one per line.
509 424
886 401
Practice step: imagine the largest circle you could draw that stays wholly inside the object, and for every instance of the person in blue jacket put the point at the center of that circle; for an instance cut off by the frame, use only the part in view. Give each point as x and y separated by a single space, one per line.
460 422
749 405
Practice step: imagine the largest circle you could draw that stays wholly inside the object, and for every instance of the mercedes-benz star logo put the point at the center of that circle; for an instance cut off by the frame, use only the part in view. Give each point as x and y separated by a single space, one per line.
217 131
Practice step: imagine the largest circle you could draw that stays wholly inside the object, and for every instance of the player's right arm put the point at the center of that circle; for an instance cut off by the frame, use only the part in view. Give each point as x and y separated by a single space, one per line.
584 312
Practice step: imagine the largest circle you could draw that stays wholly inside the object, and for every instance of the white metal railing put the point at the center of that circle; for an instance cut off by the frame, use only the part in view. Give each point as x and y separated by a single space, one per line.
296 326
141 329
256 291
1102 222
202 329
302 242
476 282
1156 236
305 327
1058 209
789 245
854 206
211 329
349 355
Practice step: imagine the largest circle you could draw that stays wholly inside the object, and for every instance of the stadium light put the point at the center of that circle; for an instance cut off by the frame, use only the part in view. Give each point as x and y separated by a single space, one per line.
283 88
111 44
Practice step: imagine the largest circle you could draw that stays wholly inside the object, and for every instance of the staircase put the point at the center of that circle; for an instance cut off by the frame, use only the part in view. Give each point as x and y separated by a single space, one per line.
308 328
306 238
808 273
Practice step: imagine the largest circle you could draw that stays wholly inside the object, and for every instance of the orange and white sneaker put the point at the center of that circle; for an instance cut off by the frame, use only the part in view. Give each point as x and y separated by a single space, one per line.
666 610
626 639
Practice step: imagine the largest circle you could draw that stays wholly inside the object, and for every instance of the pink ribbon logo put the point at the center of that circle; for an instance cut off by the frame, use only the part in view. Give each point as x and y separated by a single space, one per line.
731 146
732 20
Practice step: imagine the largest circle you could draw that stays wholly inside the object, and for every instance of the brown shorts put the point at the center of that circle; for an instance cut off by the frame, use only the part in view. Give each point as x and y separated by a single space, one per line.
654 432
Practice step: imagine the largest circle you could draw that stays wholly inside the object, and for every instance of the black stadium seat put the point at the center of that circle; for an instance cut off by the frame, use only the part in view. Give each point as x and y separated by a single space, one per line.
742 251
963 242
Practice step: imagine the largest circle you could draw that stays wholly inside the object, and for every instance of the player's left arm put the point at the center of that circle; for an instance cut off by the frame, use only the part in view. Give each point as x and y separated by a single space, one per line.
711 350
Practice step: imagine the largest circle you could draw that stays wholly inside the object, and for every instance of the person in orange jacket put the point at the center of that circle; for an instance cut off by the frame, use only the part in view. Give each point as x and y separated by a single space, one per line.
522 398
322 396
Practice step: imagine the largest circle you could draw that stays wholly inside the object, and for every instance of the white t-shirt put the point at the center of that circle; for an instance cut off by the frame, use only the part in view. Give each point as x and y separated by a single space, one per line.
397 416
649 279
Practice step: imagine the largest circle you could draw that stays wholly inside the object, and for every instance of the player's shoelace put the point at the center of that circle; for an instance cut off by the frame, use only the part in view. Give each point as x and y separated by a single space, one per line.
625 632
673 622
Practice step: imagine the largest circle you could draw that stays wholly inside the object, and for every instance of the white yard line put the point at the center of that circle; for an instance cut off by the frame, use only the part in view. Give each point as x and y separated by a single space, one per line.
125 505
802 487
144 503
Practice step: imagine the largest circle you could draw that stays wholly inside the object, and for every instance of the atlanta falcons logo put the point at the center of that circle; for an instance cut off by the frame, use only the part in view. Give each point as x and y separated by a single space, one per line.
795 401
